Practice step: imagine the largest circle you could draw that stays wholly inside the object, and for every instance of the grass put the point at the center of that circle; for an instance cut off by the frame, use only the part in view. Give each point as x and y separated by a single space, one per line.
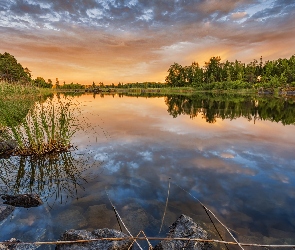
47 128
9 90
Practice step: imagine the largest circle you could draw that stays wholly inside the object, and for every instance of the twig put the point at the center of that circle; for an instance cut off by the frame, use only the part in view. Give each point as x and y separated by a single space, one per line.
144 238
214 226
165 206
117 219
121 219
150 245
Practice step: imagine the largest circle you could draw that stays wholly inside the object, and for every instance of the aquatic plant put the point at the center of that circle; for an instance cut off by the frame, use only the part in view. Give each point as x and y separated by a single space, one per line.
47 128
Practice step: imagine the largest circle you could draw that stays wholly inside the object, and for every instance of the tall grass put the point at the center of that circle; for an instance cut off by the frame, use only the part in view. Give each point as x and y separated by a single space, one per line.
47 128
8 90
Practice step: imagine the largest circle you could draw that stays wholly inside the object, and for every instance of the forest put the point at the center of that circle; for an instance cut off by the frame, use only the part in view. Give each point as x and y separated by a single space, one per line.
233 75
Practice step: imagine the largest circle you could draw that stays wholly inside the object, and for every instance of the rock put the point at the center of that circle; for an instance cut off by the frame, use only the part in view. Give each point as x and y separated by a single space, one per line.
5 211
96 234
6 147
184 227
22 200
14 244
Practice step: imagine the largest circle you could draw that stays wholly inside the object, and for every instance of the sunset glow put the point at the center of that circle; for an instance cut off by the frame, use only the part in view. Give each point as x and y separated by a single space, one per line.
137 40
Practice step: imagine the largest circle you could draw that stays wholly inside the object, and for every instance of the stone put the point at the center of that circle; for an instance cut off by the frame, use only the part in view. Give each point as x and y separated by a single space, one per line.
184 227
5 211
22 200
15 244
72 235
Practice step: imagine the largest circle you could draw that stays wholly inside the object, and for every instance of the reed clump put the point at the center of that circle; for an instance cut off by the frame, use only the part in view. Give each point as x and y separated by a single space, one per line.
8 89
47 128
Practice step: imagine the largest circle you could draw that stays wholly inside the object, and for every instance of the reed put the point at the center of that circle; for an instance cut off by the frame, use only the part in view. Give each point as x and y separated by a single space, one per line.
47 128
8 89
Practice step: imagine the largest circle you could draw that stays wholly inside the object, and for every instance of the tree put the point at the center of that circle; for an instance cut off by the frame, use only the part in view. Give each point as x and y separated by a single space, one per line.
41 83
176 76
57 83
13 72
213 70
196 75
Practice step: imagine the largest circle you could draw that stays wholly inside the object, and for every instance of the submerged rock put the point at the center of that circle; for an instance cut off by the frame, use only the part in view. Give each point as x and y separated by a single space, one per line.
5 211
7 147
71 235
184 227
22 200
14 244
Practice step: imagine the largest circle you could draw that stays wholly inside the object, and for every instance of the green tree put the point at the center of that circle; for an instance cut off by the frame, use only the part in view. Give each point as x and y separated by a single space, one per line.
13 72
41 83
213 71
176 76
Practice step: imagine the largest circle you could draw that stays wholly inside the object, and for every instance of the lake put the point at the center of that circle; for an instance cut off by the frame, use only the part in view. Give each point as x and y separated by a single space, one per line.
233 153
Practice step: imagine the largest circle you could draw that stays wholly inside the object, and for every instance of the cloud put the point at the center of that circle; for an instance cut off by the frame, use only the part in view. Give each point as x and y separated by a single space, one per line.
238 15
114 41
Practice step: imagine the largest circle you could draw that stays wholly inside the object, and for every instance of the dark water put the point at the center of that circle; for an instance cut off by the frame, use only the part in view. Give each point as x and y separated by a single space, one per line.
233 153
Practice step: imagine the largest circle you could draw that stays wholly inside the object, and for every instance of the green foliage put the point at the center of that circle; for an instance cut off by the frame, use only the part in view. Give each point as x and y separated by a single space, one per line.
16 101
216 75
141 85
47 128
72 86
41 83
11 71
8 90
176 76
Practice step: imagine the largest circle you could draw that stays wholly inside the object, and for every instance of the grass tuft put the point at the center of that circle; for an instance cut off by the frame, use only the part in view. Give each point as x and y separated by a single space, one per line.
47 128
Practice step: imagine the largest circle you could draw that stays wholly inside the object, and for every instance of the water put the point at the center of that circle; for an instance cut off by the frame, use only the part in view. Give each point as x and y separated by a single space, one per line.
233 153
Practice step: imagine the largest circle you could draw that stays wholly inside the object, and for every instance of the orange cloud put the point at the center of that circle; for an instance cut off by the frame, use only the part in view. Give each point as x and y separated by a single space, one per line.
128 43
238 15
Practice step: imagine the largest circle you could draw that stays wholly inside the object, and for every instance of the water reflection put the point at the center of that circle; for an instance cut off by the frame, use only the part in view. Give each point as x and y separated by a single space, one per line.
14 109
57 176
226 106
244 172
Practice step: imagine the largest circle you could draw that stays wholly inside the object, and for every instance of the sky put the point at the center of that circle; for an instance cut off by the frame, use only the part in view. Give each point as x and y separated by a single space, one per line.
125 41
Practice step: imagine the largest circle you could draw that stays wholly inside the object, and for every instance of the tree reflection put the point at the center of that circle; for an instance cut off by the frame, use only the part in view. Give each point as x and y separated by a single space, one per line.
224 106
56 176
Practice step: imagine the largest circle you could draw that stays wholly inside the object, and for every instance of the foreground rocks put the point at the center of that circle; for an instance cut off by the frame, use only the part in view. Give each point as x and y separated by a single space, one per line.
96 234
22 200
7 147
14 244
184 227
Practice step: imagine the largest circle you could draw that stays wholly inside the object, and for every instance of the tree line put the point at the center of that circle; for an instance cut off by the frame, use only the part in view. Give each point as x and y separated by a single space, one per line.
214 75
233 75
